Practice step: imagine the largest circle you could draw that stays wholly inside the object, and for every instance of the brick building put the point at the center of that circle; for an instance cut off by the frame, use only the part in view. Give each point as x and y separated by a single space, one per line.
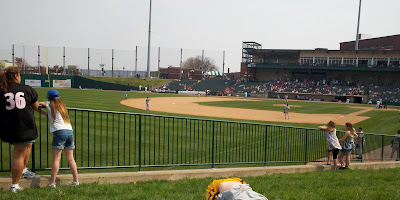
391 42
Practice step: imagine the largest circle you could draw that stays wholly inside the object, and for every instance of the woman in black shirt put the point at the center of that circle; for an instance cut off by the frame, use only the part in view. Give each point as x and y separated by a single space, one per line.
17 103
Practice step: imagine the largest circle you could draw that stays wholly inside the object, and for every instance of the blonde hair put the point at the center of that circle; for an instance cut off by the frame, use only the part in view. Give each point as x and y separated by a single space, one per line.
7 76
351 129
57 105
331 126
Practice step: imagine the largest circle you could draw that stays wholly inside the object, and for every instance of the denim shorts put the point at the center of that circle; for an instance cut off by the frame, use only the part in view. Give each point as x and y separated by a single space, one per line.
345 150
24 143
63 139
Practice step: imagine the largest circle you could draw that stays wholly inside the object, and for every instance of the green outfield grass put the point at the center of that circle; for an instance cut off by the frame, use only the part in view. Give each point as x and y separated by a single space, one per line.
348 184
135 82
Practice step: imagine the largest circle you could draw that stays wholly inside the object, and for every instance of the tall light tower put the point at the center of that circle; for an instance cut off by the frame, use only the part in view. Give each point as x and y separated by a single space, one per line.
148 46
358 26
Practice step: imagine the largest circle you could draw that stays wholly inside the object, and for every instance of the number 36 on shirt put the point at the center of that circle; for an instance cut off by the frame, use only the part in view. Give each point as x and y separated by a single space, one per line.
15 101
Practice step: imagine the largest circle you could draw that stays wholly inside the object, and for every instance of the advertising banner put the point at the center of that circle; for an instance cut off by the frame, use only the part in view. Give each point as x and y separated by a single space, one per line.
33 83
62 83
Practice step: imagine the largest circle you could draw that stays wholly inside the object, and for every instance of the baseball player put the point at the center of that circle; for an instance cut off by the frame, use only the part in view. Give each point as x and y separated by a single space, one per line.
126 94
286 111
148 103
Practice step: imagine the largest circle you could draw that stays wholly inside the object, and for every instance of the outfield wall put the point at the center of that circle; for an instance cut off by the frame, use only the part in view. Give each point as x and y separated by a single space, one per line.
76 82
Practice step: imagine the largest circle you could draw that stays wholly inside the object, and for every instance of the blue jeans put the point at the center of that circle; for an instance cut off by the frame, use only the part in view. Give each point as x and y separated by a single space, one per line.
63 139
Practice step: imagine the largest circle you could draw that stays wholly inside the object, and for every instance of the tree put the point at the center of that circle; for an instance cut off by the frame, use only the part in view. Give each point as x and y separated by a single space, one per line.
21 62
2 64
196 63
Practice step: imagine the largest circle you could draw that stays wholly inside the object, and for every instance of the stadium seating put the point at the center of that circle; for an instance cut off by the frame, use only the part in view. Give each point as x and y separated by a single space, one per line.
181 84
212 84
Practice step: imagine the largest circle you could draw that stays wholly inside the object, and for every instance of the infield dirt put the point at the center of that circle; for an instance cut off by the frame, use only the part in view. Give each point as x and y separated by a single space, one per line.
188 106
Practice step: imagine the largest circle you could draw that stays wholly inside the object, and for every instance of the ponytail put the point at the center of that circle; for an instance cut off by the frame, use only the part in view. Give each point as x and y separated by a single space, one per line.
351 129
3 81
7 76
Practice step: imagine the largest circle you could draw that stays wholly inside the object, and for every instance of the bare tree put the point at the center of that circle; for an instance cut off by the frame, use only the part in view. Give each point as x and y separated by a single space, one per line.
21 62
196 63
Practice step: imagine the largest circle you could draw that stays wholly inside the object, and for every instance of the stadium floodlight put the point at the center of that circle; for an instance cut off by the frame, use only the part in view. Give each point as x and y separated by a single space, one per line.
148 46
358 26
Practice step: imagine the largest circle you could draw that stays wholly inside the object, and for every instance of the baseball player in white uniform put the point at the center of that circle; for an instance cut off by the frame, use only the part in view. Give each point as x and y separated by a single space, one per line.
148 103
286 111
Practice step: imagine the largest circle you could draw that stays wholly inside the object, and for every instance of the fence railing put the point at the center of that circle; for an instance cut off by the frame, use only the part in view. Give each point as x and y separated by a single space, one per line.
106 139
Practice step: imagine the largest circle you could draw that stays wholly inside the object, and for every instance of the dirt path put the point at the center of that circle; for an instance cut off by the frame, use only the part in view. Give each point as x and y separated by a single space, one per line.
188 106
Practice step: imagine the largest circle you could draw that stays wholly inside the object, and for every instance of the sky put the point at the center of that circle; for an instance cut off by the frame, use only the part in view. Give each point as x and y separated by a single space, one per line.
193 25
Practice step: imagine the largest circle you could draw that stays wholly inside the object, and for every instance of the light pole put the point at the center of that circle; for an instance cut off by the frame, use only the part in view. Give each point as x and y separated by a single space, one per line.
148 45
23 57
358 26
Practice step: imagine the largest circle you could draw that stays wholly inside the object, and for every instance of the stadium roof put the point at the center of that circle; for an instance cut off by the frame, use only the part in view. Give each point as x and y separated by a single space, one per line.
374 38
300 50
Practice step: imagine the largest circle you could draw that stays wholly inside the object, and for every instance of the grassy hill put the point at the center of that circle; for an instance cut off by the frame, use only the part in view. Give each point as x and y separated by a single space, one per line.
135 82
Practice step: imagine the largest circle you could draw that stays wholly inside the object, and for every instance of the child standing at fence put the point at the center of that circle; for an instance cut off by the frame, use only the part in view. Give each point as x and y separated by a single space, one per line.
63 137
347 145
395 146
361 142
332 142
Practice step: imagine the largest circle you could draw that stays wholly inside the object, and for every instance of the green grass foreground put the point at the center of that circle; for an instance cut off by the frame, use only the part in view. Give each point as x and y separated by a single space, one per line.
348 184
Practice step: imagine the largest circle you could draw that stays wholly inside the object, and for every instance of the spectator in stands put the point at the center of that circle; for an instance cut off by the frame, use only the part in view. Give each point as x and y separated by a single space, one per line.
395 146
347 145
332 142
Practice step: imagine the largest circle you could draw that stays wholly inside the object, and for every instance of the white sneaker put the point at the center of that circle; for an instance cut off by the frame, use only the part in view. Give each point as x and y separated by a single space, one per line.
73 183
28 174
16 188
52 185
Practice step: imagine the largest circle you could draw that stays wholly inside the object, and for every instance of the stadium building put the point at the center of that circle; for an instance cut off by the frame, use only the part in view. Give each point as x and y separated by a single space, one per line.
369 64
376 63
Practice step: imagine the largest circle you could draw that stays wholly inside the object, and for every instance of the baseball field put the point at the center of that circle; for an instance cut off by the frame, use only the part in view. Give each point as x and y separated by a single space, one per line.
269 111
316 185
97 136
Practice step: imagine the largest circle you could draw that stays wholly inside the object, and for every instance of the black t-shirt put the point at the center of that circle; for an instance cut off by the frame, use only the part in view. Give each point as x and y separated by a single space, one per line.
17 121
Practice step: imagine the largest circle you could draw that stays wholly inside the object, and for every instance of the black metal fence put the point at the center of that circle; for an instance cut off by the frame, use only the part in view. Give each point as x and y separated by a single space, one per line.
106 139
